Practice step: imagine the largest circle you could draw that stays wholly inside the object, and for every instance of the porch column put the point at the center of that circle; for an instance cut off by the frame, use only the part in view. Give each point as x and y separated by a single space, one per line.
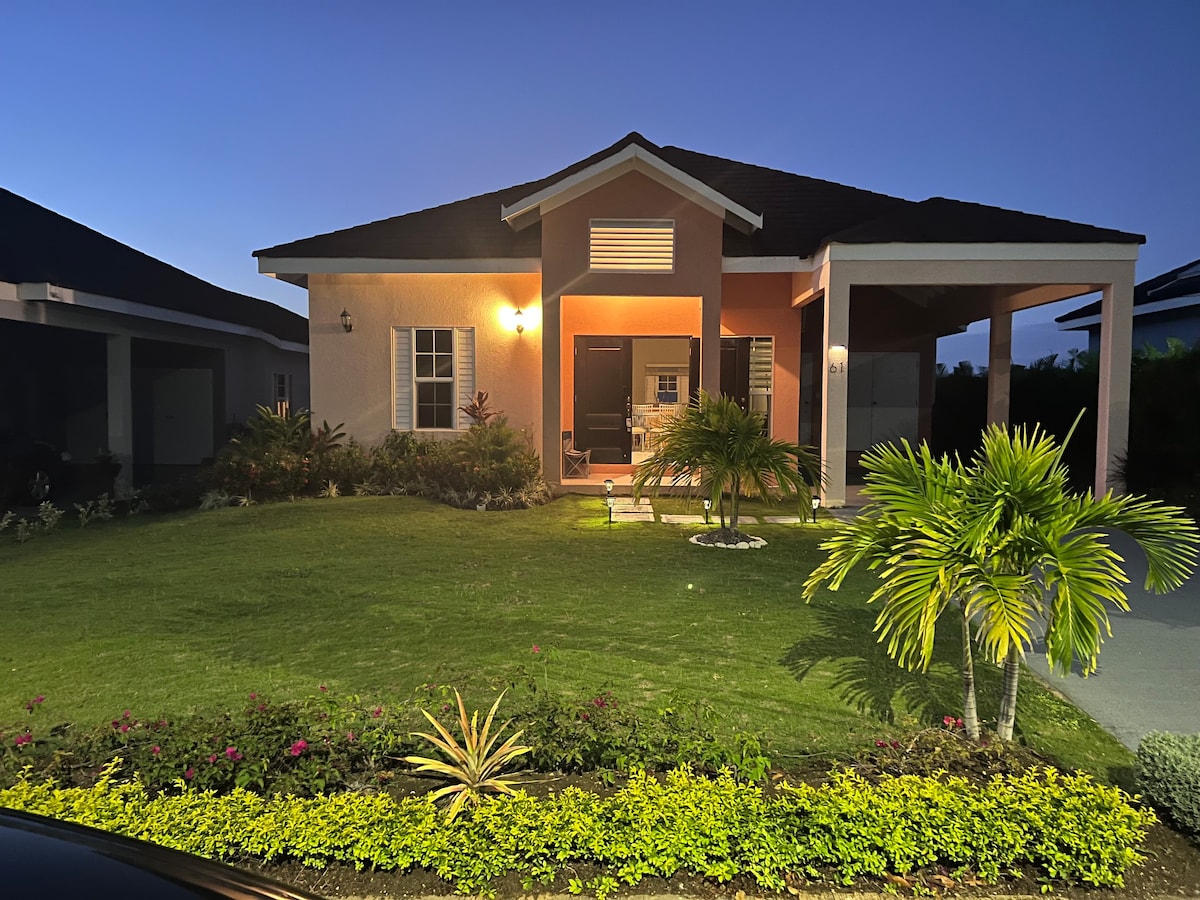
120 410
710 344
834 379
1112 410
999 367
552 455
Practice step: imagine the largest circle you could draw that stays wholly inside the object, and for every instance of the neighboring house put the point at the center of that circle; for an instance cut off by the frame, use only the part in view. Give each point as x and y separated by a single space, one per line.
1167 306
589 301
103 348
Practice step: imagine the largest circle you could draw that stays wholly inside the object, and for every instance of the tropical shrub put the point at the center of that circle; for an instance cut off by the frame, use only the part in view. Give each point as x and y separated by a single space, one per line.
1168 773
723 449
1064 828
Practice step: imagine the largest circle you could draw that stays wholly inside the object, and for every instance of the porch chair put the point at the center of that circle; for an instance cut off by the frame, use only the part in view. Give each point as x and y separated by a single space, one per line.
576 463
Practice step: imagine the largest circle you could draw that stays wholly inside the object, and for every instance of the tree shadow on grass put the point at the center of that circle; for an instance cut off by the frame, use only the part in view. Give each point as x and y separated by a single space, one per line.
842 643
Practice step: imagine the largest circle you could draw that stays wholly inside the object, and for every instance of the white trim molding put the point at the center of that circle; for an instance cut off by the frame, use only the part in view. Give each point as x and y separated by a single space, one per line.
351 265
740 264
631 158
1140 309
935 252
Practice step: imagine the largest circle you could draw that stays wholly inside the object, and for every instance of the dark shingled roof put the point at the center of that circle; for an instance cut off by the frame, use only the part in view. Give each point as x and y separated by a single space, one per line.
38 245
800 214
1167 286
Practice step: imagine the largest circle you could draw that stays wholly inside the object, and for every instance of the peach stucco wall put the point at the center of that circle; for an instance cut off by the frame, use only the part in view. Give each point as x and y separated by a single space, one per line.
352 374
760 305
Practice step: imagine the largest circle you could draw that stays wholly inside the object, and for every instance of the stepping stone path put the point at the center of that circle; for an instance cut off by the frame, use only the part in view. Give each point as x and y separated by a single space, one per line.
670 519
784 520
625 510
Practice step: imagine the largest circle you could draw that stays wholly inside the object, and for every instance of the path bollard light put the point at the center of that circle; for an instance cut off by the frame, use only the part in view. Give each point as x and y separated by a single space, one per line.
707 507
816 504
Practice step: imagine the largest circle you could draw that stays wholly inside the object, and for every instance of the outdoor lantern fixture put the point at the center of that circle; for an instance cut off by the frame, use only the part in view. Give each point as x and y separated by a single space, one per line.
610 501
347 322
707 507
519 321
608 486
816 504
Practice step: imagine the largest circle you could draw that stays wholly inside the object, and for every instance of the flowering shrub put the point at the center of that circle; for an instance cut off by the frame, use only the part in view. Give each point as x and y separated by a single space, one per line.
946 750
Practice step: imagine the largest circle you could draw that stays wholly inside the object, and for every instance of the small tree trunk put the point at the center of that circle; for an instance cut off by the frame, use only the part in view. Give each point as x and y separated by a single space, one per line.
1008 698
735 488
970 709
721 508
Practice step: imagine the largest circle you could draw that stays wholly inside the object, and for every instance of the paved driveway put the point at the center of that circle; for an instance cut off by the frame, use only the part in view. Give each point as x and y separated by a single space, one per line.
1149 674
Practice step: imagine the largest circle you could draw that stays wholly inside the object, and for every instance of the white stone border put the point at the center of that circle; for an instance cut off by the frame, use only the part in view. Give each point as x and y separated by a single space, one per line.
753 544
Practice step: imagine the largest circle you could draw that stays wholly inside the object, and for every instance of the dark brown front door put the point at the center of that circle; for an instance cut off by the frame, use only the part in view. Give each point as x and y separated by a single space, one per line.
735 370
603 397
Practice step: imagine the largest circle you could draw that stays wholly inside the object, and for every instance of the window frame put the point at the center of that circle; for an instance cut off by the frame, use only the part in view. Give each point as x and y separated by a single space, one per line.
451 379
631 225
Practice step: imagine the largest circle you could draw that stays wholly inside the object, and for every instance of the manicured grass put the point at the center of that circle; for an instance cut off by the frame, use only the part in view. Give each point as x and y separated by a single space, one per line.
376 596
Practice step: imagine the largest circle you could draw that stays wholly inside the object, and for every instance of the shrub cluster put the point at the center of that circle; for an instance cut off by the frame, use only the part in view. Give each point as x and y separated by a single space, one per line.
281 456
1066 827
1168 773
326 744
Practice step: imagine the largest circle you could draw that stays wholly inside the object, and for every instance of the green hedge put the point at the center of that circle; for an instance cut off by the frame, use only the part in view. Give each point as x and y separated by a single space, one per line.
1168 773
1067 827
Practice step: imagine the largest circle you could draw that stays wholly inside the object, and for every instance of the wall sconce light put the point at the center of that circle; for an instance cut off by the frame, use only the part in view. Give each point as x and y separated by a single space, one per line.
837 359
347 322
519 321
707 507
816 504
610 501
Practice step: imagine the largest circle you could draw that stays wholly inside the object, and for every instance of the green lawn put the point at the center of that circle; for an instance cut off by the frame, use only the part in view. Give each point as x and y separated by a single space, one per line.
375 596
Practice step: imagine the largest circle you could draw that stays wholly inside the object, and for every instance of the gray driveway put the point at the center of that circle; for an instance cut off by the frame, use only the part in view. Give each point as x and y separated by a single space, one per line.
1149 673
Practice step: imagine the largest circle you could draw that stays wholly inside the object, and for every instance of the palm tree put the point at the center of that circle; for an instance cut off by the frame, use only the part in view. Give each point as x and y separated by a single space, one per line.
1006 541
910 533
718 446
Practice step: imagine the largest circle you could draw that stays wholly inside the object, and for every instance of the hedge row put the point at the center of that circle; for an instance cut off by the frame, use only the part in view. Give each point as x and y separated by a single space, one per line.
1067 827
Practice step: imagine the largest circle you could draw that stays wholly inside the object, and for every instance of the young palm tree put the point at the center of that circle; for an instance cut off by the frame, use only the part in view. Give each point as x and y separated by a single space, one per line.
718 446
1006 542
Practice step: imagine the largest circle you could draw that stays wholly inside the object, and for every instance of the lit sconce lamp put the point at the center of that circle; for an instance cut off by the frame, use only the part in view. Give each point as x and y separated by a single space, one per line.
347 322
608 485
519 321
707 507
816 504
837 359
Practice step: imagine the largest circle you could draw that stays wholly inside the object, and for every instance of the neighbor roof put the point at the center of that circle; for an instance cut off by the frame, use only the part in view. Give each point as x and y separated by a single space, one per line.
1181 282
800 214
39 245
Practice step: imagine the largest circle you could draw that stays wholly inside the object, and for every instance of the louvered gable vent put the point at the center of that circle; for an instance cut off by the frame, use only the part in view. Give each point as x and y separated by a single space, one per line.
633 245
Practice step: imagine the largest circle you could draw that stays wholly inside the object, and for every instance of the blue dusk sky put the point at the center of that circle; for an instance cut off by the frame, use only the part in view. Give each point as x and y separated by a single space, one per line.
200 131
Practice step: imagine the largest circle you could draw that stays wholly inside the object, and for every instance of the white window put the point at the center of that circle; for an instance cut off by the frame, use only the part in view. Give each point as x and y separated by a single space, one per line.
282 393
632 245
434 376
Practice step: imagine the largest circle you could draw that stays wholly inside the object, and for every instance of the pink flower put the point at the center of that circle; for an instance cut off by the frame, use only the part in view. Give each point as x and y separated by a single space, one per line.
125 715
299 747
881 743
324 689
958 723
377 712
124 728
23 739
213 758
948 721
895 745
40 698
156 749
585 716
253 696
189 773
350 736
116 723
262 707
232 753
537 649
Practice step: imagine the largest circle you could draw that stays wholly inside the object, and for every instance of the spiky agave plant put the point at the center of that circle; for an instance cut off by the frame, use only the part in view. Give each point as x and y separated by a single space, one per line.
472 764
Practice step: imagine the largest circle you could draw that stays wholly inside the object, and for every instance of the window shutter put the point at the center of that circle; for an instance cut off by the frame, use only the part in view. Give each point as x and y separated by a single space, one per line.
465 375
404 380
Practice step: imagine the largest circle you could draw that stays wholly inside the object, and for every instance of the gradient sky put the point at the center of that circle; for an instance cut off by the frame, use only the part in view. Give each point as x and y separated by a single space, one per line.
200 131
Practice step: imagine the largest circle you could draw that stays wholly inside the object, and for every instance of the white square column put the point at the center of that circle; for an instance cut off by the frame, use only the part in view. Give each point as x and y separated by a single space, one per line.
835 373
1116 350
120 410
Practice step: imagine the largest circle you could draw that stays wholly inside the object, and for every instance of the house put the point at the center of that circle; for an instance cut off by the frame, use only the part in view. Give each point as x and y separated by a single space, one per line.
591 299
1167 306
103 348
